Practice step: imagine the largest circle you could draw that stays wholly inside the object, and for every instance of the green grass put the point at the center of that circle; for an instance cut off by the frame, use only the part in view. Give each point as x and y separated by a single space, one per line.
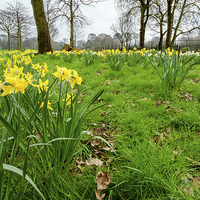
156 137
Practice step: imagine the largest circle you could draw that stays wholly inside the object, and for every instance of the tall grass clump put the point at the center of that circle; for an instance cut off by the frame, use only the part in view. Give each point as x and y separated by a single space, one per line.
171 69
68 56
115 59
89 58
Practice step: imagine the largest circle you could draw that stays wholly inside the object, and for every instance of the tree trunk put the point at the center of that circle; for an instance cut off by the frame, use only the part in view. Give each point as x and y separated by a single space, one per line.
71 24
8 40
142 28
44 42
19 39
18 32
144 9
170 17
178 24
161 35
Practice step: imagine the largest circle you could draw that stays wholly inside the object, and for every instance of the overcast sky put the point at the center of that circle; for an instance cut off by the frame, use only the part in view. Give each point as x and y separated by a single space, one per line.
103 15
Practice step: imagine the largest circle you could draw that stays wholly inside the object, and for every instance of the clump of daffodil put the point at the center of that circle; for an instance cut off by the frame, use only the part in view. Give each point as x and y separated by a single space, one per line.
41 69
68 75
75 79
42 85
27 60
15 71
8 64
15 80
13 85
62 73
124 50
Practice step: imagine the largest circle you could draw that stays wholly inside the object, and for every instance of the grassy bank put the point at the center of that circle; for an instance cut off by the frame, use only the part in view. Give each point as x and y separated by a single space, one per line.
144 138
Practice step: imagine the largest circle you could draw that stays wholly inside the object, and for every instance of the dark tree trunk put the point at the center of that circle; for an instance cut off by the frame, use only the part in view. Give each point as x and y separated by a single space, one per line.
71 24
8 40
144 9
18 32
161 35
160 43
44 42
142 27
142 35
169 23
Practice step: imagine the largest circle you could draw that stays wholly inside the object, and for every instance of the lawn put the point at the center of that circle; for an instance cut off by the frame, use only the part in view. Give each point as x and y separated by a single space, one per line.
100 125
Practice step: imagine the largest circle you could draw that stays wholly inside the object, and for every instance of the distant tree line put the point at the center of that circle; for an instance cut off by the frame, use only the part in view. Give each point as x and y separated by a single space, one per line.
167 18
26 43
15 22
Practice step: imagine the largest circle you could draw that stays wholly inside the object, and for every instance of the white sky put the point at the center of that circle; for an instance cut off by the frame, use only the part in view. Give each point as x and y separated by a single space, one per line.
103 15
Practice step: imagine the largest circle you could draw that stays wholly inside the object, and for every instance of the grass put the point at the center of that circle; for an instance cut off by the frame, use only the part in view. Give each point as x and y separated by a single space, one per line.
155 137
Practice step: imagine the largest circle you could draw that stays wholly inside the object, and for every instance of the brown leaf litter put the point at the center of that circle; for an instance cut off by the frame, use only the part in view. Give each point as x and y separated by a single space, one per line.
102 180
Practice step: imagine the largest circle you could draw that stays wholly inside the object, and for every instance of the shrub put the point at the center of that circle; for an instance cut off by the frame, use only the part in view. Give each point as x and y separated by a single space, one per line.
185 49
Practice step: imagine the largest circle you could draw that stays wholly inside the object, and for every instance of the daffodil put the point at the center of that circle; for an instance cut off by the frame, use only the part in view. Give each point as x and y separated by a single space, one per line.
36 66
48 105
13 85
28 78
63 73
124 50
16 71
68 99
75 79
42 85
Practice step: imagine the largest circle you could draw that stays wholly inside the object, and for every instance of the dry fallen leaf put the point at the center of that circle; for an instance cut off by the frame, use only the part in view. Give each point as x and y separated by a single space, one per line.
193 161
98 194
94 161
102 180
110 160
89 133
95 143
106 149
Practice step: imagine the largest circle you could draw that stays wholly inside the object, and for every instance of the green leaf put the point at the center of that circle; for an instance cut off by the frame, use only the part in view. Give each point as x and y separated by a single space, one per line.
20 172
11 130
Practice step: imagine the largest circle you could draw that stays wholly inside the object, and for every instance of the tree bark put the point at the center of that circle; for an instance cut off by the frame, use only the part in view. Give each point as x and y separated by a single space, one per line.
44 42
161 33
71 24
170 16
142 28
8 40
178 24
144 9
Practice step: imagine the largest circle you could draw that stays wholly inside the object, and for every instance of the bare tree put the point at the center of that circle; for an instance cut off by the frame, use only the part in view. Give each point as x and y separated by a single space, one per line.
44 42
50 11
132 8
70 10
158 20
7 24
182 18
78 33
123 30
22 20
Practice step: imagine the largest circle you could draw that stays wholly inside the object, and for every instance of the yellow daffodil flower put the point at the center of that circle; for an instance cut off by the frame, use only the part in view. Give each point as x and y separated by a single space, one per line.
42 85
48 105
68 99
75 79
63 72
